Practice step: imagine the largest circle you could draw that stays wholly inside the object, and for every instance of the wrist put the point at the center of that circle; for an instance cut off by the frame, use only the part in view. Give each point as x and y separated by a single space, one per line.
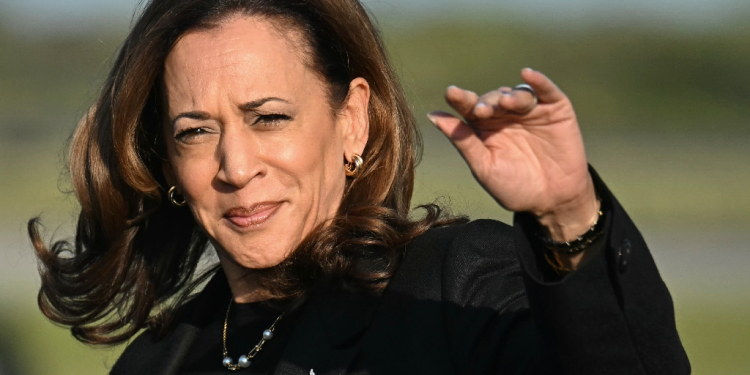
571 219
570 229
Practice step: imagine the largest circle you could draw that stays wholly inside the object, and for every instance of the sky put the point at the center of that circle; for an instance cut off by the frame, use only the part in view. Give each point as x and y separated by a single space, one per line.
71 15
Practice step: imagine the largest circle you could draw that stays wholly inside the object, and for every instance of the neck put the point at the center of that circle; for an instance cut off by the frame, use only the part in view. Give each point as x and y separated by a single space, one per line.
243 282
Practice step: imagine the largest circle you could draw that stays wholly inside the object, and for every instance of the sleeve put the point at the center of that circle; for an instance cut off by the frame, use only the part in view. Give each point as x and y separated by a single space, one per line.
614 315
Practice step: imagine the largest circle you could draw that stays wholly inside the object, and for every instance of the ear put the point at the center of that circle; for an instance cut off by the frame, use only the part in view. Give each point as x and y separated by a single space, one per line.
355 118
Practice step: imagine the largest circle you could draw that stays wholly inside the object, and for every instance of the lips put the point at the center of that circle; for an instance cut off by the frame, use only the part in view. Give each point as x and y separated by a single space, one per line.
253 216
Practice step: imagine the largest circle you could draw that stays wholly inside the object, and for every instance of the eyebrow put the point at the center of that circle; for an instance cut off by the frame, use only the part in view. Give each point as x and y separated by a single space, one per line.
247 107
195 115
250 106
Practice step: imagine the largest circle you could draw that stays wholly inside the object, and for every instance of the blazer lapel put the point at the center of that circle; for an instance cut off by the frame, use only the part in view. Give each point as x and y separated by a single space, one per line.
328 332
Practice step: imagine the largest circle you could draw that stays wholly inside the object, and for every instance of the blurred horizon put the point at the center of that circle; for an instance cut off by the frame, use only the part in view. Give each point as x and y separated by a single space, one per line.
661 90
45 17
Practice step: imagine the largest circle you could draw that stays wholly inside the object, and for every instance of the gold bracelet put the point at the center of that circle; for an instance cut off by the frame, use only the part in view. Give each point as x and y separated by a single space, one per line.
580 243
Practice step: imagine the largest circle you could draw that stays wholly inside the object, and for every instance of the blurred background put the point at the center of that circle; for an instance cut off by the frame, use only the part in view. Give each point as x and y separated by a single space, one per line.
661 88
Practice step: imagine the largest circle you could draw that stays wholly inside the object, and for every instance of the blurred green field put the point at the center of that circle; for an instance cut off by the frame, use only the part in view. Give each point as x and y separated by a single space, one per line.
665 116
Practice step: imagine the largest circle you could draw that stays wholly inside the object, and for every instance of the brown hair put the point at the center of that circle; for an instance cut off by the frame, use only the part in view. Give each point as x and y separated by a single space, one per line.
134 254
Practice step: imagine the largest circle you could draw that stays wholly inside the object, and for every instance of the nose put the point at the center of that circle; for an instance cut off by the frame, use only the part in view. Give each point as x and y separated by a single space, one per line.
239 160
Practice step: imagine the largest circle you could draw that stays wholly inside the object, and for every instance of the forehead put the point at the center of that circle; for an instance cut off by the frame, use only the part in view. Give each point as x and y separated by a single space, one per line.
239 54
252 31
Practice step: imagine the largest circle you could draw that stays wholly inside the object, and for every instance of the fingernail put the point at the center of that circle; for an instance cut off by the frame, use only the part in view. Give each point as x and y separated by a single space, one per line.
452 87
528 69
481 105
432 118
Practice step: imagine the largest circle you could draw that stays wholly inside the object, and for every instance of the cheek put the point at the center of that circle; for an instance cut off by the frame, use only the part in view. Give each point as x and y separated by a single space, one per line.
189 165
306 157
312 153
313 163
195 175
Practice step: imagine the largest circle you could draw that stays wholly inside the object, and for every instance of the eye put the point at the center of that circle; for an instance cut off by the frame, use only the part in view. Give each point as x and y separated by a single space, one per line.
187 134
271 119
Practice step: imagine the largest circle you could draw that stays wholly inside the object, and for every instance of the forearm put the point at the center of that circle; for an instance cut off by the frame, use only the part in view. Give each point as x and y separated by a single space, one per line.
612 315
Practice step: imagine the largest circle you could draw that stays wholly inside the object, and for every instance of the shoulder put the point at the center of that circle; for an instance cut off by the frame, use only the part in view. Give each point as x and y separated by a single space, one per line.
473 263
150 354
481 238
154 352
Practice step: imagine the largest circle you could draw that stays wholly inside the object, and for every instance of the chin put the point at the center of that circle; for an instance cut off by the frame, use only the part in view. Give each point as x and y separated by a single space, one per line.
258 250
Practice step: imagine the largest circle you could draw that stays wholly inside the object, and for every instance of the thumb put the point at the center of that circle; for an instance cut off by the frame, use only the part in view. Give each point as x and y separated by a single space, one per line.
462 136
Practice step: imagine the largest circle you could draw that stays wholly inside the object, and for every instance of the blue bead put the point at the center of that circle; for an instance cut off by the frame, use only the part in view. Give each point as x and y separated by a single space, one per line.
267 334
227 362
244 362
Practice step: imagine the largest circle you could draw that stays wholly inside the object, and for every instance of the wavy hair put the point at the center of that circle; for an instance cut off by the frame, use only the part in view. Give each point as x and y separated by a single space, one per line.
134 257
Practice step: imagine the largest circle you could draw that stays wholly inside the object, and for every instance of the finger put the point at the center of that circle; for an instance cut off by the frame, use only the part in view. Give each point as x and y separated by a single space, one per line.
463 101
519 101
461 135
490 105
500 102
546 90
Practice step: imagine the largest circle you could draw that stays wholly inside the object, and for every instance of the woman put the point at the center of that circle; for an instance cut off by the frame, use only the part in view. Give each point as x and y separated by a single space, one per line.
276 133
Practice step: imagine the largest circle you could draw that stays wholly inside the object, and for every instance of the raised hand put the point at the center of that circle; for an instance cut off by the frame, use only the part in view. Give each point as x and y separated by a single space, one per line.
529 156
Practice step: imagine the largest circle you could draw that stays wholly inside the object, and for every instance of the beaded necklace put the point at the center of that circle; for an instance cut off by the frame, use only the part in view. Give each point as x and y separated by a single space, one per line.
244 361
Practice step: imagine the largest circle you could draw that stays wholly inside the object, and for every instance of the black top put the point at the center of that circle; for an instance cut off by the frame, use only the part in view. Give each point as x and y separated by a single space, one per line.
246 324
473 298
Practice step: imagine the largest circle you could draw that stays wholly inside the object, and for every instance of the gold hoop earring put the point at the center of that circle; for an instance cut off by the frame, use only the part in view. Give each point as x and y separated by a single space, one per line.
352 168
175 202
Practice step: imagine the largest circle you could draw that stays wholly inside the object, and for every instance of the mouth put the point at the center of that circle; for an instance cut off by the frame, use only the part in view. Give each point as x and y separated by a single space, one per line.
253 216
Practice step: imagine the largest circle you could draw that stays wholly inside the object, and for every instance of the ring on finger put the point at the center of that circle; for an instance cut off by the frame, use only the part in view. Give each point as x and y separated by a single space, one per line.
530 90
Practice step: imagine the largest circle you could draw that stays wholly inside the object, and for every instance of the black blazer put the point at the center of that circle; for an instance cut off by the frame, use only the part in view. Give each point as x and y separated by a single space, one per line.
471 299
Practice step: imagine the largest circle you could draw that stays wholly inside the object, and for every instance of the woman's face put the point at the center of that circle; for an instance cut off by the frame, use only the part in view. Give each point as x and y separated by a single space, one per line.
253 143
